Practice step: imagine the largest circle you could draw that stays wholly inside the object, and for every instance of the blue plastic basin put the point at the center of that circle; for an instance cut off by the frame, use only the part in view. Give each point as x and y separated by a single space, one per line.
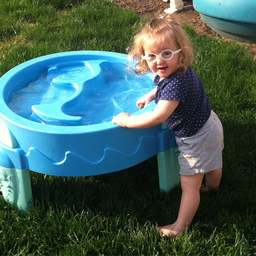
59 109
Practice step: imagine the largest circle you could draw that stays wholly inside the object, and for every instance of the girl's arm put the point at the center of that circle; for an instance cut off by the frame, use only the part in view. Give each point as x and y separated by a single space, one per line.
162 111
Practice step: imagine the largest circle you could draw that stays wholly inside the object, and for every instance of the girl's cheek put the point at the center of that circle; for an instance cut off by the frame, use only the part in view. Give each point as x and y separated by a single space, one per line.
152 66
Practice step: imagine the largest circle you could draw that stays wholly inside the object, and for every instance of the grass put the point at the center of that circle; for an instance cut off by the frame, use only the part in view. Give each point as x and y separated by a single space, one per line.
34 28
117 214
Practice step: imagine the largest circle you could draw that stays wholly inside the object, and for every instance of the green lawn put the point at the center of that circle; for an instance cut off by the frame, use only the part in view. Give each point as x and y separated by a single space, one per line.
117 214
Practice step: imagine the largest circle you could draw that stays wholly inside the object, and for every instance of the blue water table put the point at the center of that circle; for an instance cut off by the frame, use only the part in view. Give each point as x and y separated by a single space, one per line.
55 119
234 19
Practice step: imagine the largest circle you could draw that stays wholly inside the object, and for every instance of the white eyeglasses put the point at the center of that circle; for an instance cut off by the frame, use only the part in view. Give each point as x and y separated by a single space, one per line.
164 55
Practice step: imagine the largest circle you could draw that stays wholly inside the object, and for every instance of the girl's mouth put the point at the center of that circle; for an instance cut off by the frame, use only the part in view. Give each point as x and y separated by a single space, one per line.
162 68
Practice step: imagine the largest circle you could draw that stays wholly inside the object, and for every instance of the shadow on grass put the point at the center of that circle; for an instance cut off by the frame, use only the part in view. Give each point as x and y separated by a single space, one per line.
135 191
131 191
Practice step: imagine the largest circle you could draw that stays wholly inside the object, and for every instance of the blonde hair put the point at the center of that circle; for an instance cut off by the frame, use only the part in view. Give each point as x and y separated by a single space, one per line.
166 26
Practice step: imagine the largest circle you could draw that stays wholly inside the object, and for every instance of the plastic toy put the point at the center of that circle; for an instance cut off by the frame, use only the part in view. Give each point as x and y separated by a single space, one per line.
177 6
231 19
55 119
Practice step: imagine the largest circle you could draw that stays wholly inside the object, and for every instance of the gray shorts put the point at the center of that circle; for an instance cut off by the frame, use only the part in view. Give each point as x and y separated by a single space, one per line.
202 152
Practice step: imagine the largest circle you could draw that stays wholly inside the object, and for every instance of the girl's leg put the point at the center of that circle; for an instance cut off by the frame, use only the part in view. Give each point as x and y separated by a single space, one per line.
188 206
212 180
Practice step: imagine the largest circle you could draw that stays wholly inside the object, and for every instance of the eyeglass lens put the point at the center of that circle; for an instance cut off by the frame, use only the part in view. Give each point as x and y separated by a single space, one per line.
165 55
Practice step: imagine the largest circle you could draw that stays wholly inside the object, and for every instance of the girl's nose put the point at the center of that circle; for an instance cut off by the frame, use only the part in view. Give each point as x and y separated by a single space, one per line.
159 60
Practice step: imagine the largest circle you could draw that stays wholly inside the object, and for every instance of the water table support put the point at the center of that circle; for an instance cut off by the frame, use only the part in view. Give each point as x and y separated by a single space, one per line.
15 183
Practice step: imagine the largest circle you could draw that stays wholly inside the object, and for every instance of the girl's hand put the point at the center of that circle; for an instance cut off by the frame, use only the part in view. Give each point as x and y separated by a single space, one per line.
121 119
146 99
140 104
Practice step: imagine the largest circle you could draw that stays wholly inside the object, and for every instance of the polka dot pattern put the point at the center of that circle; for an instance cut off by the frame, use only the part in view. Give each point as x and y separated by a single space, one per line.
194 108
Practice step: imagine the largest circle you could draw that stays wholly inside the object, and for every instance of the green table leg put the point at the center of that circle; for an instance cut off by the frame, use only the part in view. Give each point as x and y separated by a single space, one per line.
168 169
15 186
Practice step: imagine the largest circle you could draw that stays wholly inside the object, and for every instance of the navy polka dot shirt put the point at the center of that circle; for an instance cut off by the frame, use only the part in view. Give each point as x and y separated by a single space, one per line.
194 108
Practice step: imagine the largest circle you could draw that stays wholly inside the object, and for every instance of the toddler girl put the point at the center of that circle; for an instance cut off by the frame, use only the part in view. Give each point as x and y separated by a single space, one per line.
164 48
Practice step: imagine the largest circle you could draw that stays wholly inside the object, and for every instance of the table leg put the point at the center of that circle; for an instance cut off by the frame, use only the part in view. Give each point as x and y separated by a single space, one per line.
168 169
15 186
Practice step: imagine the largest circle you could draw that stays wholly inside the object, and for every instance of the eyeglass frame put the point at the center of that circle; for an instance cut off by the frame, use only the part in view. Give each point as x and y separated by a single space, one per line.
159 55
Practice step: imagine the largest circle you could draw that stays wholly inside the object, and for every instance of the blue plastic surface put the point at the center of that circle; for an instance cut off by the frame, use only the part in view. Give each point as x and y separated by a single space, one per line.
231 19
53 137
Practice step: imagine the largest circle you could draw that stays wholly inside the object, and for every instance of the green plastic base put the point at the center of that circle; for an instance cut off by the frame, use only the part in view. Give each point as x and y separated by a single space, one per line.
168 169
15 186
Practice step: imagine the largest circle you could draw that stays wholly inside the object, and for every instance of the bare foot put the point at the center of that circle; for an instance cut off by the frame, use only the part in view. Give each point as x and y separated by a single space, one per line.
170 230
